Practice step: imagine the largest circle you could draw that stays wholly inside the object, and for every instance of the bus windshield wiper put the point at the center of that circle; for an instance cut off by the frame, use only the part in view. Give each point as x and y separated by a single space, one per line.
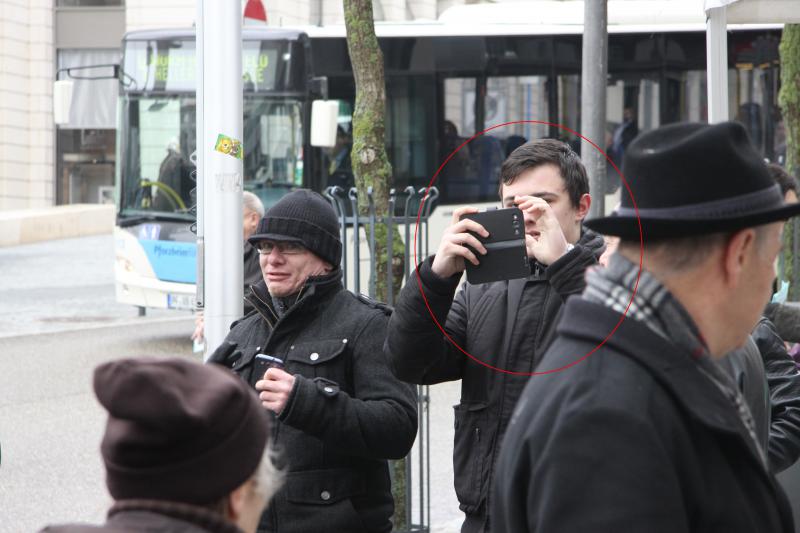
125 220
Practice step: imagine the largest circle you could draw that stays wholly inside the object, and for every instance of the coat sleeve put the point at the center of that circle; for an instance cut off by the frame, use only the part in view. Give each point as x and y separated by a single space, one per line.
783 380
598 469
567 275
415 347
378 421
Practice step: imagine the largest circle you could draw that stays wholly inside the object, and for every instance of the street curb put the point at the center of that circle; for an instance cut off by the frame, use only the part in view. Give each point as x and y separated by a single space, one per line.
52 223
125 322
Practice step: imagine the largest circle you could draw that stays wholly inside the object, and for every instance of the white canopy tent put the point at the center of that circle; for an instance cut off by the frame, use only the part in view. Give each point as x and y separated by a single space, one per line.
719 14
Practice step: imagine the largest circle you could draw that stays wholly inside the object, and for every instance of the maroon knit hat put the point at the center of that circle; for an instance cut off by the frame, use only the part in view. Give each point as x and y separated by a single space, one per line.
178 430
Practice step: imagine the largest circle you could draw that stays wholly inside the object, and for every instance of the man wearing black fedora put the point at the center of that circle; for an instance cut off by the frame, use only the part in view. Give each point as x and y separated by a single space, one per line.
645 432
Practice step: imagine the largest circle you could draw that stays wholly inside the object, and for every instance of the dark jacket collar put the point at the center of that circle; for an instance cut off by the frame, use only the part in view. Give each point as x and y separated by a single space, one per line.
673 367
315 291
204 519
589 240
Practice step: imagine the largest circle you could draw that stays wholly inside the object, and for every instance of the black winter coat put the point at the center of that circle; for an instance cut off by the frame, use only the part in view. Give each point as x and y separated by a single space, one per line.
634 438
746 366
346 414
506 324
783 380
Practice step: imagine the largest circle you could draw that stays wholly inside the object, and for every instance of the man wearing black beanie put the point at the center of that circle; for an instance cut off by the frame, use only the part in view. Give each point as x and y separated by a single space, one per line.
175 459
339 412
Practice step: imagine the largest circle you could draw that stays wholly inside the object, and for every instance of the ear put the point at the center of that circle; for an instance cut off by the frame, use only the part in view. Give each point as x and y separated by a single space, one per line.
235 502
736 253
583 206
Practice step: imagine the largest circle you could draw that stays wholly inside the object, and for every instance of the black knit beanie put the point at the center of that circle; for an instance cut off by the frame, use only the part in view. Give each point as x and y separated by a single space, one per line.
178 430
306 217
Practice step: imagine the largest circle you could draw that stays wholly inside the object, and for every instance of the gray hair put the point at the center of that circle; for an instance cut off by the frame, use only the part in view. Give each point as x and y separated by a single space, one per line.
268 477
672 256
253 203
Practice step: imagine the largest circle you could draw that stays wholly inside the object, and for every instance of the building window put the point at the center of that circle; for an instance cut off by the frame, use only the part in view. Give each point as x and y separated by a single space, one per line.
85 167
85 146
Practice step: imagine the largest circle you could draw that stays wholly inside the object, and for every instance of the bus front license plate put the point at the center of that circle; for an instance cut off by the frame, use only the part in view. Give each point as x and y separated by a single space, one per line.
180 301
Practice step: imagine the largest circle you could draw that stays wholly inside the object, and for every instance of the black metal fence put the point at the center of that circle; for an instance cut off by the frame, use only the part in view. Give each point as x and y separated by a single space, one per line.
408 204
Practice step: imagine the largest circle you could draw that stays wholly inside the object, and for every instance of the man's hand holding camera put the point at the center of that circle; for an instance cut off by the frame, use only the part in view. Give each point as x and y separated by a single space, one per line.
274 389
548 243
452 252
544 238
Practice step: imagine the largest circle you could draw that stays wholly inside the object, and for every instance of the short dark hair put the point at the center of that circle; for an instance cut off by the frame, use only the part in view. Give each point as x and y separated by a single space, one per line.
547 152
782 178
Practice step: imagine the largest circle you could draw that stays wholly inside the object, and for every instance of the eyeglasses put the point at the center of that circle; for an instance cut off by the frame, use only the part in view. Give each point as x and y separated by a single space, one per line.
284 248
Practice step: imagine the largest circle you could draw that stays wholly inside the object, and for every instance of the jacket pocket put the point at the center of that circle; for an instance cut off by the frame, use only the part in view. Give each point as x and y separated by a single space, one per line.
319 358
470 447
321 500
238 359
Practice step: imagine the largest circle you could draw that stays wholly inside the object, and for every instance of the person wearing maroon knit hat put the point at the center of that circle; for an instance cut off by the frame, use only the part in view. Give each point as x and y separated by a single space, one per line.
175 458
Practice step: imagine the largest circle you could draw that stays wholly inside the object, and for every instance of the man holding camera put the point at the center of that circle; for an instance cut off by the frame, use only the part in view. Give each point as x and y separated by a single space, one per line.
340 414
506 324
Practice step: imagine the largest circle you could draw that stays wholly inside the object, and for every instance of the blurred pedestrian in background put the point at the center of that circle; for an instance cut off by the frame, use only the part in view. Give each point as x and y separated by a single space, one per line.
253 211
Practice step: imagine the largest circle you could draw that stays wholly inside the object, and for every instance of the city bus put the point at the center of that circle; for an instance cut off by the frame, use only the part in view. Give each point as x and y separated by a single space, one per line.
446 80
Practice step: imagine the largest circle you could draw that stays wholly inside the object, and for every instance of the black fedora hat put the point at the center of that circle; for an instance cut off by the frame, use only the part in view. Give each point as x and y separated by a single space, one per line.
694 179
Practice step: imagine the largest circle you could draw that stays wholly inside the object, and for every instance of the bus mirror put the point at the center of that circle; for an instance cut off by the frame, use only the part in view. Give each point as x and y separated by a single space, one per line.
318 87
324 117
62 101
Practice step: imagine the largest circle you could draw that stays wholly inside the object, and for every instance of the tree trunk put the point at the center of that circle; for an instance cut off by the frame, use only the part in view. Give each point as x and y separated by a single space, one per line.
789 101
371 168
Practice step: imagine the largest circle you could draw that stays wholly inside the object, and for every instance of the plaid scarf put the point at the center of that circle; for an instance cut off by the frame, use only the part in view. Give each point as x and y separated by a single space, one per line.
657 309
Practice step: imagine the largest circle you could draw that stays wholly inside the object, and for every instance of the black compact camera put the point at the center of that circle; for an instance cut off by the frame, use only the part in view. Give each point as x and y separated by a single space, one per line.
263 363
506 256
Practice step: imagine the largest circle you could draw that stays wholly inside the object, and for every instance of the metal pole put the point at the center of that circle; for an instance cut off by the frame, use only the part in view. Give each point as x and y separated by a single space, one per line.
390 249
593 98
372 247
199 158
353 194
341 203
717 64
220 74
409 268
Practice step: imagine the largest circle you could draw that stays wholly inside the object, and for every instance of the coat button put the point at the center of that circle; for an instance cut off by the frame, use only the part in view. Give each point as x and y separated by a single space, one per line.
314 356
344 341
325 495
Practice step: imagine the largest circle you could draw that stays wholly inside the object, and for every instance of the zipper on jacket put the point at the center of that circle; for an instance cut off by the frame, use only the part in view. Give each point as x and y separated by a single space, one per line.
271 325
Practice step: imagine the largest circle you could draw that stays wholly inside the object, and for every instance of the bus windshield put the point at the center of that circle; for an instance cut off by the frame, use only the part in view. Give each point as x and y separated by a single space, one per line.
158 175
157 136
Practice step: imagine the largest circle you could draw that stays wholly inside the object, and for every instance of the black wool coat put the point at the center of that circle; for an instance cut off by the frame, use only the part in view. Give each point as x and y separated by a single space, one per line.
783 379
346 415
507 324
633 438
